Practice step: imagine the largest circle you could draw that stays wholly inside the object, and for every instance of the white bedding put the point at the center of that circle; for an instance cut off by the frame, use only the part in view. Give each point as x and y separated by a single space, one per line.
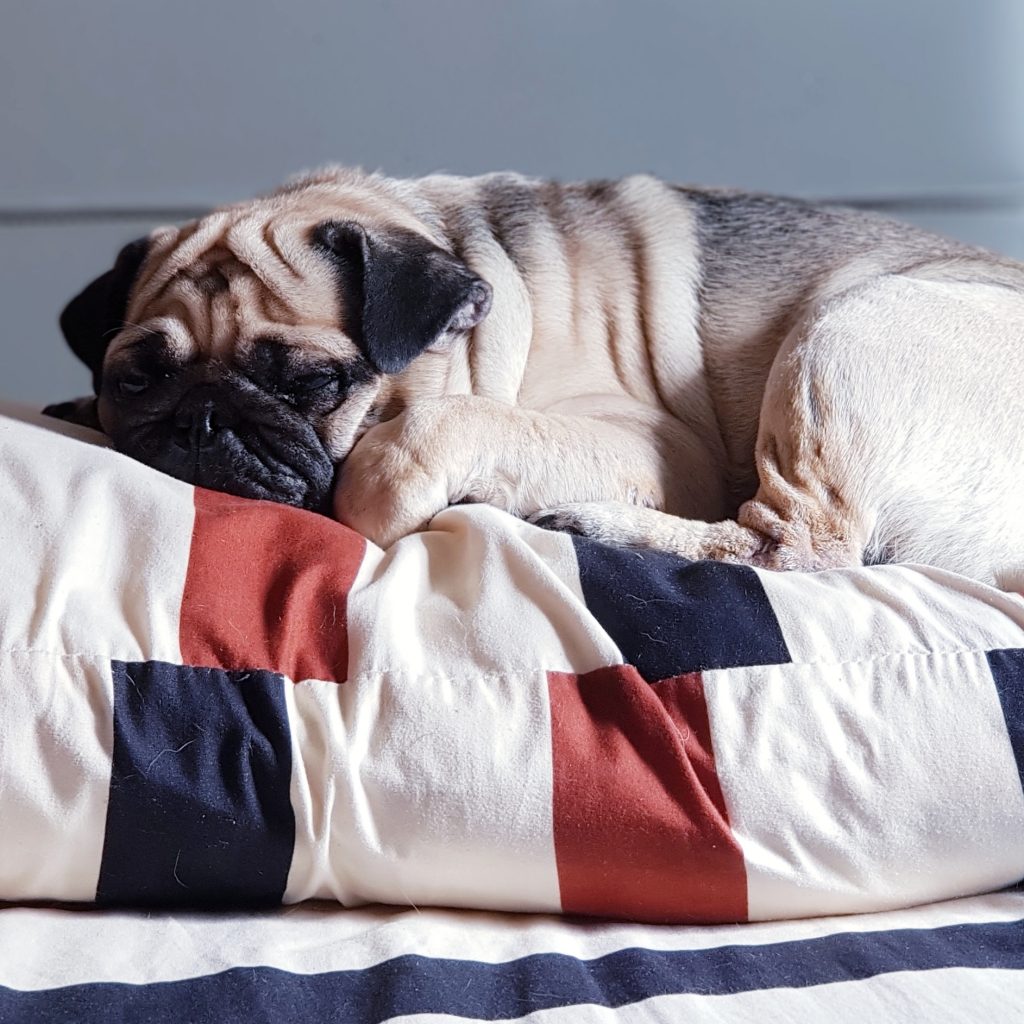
957 961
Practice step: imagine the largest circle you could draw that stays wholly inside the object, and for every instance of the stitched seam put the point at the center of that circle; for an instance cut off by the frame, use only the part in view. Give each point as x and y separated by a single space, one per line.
527 669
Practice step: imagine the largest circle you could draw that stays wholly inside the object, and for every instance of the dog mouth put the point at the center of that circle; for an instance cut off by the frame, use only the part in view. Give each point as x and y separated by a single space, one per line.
260 451
268 466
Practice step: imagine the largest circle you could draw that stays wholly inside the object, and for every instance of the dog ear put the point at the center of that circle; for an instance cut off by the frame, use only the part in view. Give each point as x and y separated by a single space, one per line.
92 318
399 293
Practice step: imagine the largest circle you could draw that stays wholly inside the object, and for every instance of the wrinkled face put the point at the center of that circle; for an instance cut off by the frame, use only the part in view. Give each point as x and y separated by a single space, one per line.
267 420
246 352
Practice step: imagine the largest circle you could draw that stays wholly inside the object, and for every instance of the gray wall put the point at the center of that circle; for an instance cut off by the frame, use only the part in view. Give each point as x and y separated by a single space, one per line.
119 114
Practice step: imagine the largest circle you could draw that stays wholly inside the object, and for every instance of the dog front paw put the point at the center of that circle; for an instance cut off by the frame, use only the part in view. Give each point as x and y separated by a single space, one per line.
389 486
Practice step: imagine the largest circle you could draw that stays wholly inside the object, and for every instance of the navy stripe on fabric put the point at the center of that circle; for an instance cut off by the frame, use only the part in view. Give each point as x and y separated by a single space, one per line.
670 616
200 810
1007 669
465 988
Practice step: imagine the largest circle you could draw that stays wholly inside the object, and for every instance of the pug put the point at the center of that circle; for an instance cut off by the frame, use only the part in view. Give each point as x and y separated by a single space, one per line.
708 372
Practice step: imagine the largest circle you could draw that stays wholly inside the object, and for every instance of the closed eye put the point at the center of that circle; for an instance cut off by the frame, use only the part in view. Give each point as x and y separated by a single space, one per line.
315 381
133 384
140 365
291 374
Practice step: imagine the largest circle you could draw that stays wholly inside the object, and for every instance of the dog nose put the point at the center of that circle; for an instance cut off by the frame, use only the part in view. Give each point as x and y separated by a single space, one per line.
195 425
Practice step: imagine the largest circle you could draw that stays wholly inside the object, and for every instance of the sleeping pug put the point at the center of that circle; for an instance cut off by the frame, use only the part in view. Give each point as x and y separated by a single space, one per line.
708 372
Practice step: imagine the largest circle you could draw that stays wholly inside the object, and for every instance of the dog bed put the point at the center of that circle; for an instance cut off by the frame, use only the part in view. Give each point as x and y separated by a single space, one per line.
213 701
211 704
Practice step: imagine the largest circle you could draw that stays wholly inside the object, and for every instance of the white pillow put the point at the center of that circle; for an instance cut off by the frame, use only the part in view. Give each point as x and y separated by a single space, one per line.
212 700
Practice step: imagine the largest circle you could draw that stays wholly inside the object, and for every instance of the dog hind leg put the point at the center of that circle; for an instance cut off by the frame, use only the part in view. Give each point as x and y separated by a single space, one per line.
810 511
889 430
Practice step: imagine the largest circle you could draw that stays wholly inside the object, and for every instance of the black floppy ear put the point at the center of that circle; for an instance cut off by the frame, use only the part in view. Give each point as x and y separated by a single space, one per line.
92 318
399 292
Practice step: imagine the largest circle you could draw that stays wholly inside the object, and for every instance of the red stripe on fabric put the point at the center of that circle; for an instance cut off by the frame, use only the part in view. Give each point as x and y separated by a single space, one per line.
267 588
683 700
640 823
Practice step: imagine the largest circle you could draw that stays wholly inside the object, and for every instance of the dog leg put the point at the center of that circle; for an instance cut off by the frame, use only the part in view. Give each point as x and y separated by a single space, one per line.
769 533
623 525
889 431
811 510
464 448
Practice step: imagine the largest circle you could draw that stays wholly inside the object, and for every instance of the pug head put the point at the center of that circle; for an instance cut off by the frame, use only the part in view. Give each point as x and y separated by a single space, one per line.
248 351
